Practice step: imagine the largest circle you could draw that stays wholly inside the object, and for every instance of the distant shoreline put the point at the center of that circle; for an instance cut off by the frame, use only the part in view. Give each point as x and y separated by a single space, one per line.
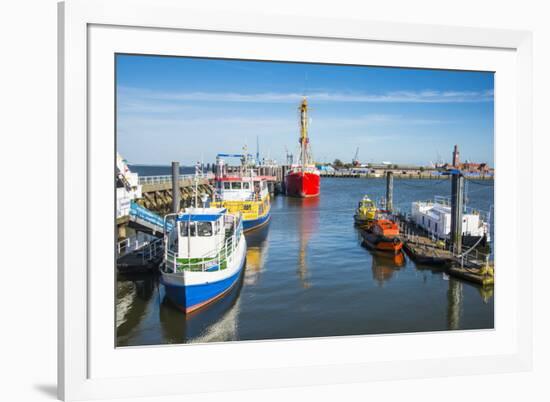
399 176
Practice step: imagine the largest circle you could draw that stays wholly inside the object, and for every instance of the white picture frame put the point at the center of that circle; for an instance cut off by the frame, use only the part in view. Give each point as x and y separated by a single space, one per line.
90 31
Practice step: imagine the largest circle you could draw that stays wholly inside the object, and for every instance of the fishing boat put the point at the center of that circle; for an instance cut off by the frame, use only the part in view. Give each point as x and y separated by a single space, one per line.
243 192
365 212
205 252
382 234
303 178
435 218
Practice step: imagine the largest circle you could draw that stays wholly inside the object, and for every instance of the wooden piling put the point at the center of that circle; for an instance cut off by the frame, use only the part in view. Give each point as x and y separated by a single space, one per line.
457 208
175 187
389 191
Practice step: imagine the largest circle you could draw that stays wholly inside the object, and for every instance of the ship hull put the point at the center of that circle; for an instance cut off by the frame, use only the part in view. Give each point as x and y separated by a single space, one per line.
303 184
252 224
381 243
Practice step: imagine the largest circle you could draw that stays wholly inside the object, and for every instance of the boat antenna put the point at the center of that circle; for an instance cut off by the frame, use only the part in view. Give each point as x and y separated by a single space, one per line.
257 150
197 167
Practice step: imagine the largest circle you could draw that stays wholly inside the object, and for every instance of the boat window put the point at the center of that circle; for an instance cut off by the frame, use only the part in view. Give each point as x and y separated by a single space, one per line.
227 185
204 229
236 185
185 226
246 185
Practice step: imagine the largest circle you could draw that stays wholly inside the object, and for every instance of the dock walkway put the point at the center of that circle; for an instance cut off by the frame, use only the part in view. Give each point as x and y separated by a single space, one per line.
423 249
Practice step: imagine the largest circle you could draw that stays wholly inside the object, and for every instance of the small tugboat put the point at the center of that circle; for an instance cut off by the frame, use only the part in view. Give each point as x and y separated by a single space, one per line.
303 179
365 212
381 234
243 192
205 252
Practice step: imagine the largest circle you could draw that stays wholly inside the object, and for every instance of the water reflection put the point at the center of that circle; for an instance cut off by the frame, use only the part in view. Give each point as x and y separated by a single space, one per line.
385 265
308 222
257 243
214 323
454 303
486 293
133 294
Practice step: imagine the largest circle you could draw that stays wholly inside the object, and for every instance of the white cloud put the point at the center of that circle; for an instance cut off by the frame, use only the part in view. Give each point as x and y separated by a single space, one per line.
425 96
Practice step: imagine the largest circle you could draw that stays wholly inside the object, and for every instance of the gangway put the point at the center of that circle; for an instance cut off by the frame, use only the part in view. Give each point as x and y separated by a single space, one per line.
144 220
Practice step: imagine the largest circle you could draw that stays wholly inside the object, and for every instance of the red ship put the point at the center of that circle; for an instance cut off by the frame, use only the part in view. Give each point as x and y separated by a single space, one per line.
303 178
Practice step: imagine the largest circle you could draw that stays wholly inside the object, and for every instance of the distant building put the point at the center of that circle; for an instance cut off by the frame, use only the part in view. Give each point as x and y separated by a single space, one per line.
471 167
456 157
467 167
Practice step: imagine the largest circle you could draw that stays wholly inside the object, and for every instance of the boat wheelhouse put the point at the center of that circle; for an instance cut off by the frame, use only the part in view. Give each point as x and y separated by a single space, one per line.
366 211
243 192
205 252
435 218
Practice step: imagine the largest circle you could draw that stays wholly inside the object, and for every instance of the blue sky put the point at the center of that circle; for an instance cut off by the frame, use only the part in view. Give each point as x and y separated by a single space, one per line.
188 109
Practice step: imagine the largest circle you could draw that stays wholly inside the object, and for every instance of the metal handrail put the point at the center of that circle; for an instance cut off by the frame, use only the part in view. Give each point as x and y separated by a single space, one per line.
149 250
152 250
168 178
204 263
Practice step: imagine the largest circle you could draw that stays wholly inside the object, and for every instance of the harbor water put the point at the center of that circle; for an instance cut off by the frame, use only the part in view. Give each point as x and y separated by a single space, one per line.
307 275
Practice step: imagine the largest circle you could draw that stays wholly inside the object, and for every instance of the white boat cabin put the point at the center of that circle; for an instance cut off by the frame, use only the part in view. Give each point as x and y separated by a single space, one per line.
241 188
435 218
200 232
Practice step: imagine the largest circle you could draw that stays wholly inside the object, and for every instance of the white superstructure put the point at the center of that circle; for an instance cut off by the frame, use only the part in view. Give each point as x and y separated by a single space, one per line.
128 187
435 218
247 188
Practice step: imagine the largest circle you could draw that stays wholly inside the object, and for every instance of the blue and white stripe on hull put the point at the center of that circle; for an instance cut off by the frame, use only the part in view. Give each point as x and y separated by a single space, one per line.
193 297
255 223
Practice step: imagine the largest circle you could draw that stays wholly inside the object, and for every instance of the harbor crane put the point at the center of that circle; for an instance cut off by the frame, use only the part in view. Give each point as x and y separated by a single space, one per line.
355 161
289 157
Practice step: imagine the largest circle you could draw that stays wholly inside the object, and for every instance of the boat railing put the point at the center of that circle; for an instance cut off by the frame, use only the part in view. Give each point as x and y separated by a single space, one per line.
168 178
472 255
148 249
128 245
216 258
442 200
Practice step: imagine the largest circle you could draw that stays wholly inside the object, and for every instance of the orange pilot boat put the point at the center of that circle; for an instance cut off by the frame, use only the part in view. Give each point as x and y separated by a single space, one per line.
382 235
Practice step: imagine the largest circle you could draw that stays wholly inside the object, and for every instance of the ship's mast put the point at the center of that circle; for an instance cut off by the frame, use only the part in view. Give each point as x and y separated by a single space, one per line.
304 141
